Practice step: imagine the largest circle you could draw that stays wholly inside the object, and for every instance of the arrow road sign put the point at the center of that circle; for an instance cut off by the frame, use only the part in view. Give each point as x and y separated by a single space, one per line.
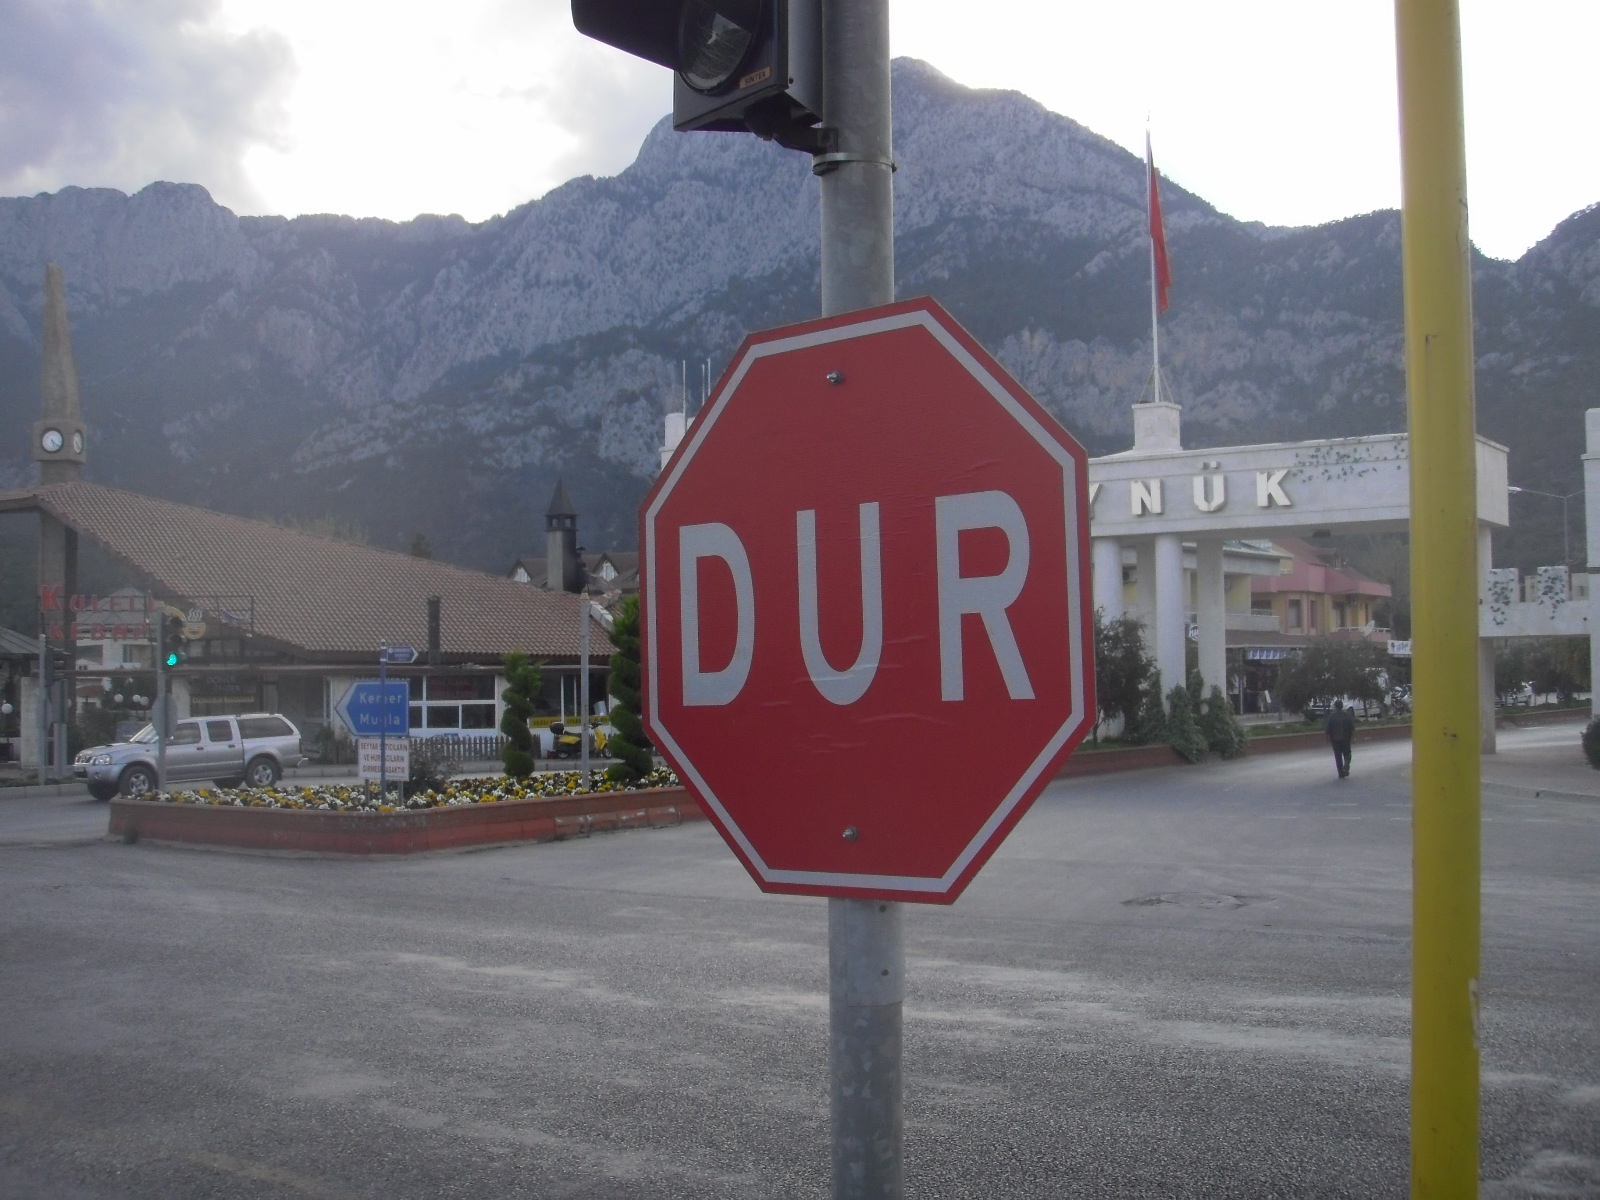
398 655
370 708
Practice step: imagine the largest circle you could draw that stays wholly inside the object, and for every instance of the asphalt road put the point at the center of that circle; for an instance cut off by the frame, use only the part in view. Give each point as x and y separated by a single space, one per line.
1182 982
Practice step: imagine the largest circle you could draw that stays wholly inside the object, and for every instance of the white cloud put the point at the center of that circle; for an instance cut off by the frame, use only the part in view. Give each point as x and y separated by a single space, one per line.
1273 111
97 93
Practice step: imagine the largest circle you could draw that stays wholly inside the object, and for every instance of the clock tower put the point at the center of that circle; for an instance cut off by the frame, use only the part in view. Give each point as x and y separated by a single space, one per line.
58 435
561 543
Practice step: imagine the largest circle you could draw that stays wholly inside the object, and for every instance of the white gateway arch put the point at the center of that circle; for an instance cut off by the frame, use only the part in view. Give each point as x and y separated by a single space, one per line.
1158 496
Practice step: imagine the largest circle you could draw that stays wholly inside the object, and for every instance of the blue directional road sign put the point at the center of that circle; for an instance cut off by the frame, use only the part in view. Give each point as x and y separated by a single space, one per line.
371 708
401 655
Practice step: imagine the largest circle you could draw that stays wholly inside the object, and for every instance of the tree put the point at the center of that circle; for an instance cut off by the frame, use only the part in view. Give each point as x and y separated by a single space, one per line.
1221 727
628 743
1331 668
1150 724
1560 665
1122 668
1183 731
420 547
525 681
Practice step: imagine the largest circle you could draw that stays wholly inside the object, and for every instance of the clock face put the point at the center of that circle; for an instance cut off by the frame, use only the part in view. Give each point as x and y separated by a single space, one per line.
51 440
77 442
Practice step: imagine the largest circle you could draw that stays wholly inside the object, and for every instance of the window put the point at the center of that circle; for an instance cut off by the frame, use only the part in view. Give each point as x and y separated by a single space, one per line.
264 727
186 734
219 731
1294 614
442 704
458 687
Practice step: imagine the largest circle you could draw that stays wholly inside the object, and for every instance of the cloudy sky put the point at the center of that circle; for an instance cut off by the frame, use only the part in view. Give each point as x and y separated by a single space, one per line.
1274 110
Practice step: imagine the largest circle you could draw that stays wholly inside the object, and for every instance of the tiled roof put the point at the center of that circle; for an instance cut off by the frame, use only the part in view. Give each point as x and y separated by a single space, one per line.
15 645
317 594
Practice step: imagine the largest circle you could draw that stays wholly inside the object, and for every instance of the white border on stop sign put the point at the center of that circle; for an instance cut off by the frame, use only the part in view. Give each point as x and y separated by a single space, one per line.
925 319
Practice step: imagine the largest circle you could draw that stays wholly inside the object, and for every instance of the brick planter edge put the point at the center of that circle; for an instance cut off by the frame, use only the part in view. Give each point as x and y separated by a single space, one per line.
406 832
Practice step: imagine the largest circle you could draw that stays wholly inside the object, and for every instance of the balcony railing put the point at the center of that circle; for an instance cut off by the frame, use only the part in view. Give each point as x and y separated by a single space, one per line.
1254 622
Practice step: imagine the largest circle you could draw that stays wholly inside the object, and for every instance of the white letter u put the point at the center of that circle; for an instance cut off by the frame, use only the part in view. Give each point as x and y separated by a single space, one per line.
847 686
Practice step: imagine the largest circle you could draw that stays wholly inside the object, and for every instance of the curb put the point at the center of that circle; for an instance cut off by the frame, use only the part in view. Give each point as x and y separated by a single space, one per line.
1139 758
406 832
1530 793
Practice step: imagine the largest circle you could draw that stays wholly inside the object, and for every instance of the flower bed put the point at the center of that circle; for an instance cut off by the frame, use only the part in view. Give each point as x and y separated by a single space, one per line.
338 819
357 798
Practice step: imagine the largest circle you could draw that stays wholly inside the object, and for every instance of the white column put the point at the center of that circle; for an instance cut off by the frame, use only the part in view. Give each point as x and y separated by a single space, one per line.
1171 609
1485 645
1211 607
28 714
182 704
1108 577
1144 587
1591 521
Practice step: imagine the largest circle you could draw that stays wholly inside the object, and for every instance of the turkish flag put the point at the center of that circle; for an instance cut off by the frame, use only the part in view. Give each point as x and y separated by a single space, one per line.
1158 233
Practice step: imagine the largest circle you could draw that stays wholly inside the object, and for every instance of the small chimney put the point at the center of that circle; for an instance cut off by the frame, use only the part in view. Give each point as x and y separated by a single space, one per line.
677 426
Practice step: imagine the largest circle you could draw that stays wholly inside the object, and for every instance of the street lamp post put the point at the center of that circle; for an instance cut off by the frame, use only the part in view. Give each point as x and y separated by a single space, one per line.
1566 539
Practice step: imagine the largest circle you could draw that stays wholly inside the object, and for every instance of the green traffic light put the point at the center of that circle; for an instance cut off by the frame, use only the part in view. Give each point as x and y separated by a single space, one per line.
173 658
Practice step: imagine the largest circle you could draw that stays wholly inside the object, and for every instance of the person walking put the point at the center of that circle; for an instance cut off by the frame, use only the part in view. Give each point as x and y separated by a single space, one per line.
1341 731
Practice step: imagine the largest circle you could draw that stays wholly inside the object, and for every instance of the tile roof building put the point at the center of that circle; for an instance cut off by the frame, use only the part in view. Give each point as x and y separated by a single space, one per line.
291 616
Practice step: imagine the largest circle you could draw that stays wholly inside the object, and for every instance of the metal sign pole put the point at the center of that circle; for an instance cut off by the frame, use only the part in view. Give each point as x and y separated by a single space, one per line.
1446 772
162 712
383 724
42 709
866 955
583 686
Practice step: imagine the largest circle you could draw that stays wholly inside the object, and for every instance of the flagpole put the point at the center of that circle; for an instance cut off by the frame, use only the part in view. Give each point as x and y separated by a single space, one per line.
1155 310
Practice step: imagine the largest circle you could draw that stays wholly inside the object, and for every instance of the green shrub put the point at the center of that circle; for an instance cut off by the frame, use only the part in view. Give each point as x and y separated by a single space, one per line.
1122 669
1591 743
1183 732
525 681
1221 727
628 743
1150 723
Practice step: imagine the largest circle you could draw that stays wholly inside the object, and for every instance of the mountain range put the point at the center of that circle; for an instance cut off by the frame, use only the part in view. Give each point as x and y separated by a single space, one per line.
436 377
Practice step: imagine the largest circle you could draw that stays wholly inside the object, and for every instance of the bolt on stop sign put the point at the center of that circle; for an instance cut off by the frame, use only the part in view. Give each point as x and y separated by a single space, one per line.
867 634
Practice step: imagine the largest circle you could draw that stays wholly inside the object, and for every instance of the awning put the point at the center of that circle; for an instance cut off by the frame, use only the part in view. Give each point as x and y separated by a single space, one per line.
1267 653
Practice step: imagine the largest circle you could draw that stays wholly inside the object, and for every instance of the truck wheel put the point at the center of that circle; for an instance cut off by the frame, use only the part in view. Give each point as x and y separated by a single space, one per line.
137 782
262 772
102 791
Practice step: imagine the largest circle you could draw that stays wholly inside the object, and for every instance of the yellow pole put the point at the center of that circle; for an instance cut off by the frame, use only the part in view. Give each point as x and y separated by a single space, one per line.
1444 604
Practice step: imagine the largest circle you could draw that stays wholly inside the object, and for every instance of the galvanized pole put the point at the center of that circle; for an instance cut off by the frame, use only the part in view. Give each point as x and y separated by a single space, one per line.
1446 737
162 714
383 724
42 708
866 955
583 686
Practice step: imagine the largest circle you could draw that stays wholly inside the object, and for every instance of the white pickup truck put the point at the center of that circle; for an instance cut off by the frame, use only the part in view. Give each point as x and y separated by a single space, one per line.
252 748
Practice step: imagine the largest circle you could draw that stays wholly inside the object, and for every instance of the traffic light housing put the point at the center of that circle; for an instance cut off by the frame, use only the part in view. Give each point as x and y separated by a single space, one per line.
171 641
751 66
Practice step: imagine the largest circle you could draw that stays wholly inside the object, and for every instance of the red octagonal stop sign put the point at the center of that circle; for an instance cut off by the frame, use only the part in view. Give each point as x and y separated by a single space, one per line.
867 633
